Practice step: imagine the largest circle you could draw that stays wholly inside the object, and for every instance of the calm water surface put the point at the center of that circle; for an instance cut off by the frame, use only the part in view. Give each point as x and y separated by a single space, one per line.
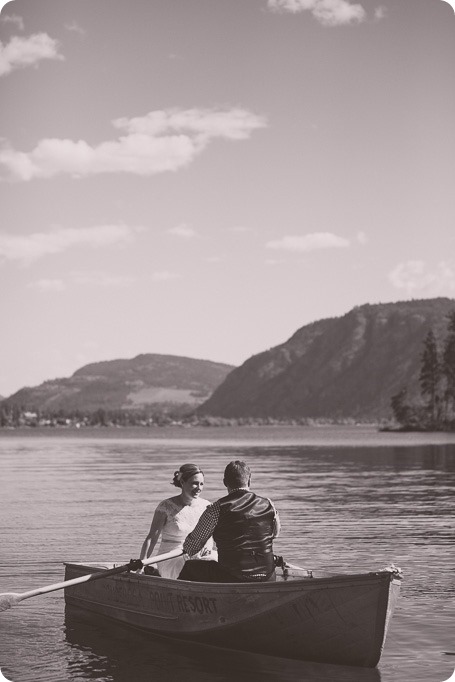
349 500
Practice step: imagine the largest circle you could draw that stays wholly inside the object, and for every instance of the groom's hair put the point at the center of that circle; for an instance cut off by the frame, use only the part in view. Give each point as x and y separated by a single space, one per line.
237 474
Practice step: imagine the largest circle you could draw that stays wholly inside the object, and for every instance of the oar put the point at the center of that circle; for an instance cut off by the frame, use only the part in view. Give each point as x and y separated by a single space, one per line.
293 567
10 599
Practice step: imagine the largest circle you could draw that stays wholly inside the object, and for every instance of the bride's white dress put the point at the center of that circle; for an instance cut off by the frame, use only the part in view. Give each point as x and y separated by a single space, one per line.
179 522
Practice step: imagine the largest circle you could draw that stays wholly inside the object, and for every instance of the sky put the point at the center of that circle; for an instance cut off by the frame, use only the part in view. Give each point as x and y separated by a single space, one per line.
204 177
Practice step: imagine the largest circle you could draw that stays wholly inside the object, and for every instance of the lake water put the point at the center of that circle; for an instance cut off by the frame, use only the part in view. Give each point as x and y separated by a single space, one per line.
350 499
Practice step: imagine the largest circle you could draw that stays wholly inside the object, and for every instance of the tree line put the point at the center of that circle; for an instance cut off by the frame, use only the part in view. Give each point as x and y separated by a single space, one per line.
435 410
16 416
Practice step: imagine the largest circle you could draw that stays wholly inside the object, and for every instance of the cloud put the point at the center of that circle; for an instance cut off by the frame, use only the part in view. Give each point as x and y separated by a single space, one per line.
165 276
102 279
380 13
45 285
309 242
21 52
327 12
182 230
158 142
205 124
362 237
79 278
13 19
31 247
75 28
415 276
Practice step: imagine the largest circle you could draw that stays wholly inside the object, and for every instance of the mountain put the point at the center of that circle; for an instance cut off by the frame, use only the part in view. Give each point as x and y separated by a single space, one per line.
343 367
143 381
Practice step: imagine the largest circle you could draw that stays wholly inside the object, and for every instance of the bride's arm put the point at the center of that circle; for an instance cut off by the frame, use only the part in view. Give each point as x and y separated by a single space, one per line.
157 525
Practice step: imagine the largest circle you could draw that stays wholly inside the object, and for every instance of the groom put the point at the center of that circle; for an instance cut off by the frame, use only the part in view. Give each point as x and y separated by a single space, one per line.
243 526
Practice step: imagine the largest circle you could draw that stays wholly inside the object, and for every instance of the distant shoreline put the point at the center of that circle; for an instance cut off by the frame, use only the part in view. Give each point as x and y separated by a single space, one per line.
327 435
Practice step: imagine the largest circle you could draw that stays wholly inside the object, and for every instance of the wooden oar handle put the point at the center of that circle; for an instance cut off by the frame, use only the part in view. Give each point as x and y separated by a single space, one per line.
9 599
163 557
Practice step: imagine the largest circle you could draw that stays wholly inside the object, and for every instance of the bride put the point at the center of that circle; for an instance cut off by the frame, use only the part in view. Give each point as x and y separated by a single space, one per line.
175 517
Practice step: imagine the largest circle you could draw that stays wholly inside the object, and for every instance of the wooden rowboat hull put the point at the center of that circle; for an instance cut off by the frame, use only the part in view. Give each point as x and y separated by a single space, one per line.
340 619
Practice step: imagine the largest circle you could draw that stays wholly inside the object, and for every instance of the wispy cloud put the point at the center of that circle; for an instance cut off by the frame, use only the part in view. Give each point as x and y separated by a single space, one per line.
102 279
74 27
271 262
165 276
158 142
29 248
14 19
380 13
206 124
362 237
416 277
182 230
96 279
327 12
22 52
48 285
309 242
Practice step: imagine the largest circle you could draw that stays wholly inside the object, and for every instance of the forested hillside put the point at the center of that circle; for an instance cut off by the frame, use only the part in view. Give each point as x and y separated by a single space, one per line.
146 380
344 367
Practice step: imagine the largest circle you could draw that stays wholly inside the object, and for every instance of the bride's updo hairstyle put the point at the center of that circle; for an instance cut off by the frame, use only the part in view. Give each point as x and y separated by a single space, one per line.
184 473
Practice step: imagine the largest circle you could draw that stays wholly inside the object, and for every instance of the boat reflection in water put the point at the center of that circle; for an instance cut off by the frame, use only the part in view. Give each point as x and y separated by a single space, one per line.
105 651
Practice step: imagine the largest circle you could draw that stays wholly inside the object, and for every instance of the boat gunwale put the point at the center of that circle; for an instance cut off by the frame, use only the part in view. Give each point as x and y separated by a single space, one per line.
290 584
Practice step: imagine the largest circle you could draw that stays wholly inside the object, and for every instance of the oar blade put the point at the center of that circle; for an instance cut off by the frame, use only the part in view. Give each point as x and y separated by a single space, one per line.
8 600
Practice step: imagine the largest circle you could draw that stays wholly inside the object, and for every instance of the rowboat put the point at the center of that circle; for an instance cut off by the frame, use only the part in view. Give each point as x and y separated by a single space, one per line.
338 619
